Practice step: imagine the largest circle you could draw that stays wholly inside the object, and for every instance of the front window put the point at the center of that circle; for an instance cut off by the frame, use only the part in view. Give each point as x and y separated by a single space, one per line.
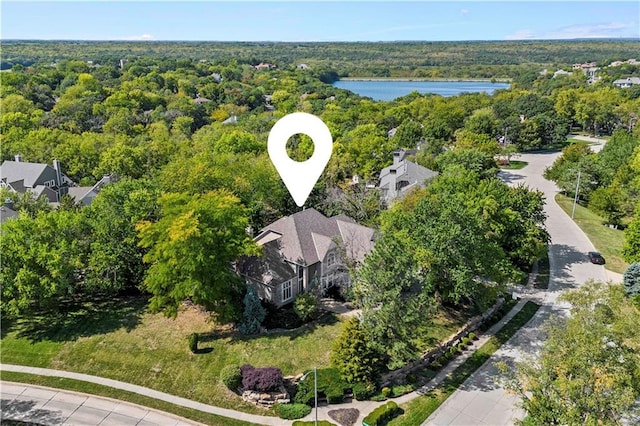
331 259
286 291
300 279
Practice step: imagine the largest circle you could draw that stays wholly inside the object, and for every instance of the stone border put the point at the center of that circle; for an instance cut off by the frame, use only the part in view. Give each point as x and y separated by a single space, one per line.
433 355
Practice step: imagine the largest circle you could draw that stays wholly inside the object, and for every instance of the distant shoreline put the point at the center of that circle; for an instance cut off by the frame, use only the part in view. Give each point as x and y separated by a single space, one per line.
398 79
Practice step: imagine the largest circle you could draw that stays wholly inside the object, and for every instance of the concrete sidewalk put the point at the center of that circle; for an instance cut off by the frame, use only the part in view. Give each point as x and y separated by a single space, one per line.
141 390
48 406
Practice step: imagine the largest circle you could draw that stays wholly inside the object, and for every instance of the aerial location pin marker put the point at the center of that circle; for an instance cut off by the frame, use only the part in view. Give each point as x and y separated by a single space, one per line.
300 176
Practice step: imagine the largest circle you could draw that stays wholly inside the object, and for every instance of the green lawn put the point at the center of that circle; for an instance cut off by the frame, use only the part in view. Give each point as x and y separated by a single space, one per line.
607 241
419 409
120 340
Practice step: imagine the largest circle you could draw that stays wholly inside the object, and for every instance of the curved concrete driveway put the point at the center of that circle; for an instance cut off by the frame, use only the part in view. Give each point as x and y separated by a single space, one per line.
480 400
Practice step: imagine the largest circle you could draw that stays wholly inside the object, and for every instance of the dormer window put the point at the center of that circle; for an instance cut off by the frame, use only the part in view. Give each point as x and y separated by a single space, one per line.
331 259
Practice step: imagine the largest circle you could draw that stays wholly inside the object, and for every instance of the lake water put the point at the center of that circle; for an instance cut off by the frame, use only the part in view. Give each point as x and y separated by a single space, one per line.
388 90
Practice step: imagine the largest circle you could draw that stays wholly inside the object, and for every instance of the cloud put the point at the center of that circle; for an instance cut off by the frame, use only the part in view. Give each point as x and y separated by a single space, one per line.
142 37
464 12
521 35
600 30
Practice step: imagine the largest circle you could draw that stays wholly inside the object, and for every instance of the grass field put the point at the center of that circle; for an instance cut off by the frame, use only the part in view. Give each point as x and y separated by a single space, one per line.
607 241
419 409
120 340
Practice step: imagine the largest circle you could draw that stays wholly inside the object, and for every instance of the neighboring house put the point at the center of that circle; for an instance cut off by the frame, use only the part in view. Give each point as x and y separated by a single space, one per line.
561 72
304 252
6 211
84 195
264 65
41 179
627 82
402 176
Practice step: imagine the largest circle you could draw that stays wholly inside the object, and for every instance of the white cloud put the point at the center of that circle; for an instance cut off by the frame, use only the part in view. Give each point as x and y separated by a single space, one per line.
521 35
142 37
601 30
464 12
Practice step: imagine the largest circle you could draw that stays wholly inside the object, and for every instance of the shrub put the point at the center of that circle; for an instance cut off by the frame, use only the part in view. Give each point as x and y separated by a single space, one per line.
231 376
383 414
193 342
363 391
436 365
379 397
461 347
291 411
400 390
329 383
466 341
312 423
261 379
472 336
411 378
631 279
253 314
306 306
386 392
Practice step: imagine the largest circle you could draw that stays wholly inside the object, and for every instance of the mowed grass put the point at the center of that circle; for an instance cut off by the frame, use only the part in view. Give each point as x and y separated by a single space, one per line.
120 340
419 409
154 352
514 165
606 240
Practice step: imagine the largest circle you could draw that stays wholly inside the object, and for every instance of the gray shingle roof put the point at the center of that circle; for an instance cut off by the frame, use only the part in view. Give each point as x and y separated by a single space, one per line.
13 171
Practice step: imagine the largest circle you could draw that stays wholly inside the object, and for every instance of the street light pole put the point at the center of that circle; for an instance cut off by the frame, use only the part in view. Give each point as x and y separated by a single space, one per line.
315 389
575 198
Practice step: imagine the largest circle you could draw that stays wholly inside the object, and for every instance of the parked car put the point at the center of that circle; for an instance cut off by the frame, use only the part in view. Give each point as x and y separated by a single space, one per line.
596 258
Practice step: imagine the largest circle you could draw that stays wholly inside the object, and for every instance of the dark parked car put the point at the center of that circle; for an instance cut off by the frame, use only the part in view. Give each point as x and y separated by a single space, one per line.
596 258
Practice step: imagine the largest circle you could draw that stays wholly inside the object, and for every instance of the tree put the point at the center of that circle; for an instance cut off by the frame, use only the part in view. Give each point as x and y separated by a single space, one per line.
588 371
43 260
631 248
253 314
191 249
354 355
631 279
607 201
394 298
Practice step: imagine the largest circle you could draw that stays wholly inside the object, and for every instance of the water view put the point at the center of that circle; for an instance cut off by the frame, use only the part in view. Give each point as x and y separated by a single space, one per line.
388 90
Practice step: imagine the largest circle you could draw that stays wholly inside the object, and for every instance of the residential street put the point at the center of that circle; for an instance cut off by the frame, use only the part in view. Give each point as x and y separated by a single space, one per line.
480 400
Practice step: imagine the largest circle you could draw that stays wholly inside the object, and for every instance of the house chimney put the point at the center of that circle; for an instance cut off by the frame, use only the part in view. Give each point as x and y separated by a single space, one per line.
18 158
397 155
57 168
8 203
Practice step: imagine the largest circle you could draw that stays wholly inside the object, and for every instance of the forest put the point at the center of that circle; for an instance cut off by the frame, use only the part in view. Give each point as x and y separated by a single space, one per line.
184 127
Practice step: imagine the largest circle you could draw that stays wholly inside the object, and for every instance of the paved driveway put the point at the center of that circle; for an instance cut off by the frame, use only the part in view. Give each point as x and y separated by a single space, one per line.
480 401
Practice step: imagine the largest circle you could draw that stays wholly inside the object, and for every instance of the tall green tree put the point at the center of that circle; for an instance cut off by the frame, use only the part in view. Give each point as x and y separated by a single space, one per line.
588 371
191 250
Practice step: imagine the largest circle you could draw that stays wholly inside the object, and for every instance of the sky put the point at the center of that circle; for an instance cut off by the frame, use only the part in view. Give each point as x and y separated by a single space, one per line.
319 20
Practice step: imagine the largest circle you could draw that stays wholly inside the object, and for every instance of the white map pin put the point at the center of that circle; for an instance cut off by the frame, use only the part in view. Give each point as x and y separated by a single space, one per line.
300 176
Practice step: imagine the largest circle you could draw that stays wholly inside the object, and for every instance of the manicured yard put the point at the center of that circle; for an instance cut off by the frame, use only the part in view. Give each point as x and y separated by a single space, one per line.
119 339
607 241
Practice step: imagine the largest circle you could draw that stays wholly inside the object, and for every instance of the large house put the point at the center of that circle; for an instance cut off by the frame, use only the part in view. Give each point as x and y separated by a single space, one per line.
627 82
402 176
306 251
42 180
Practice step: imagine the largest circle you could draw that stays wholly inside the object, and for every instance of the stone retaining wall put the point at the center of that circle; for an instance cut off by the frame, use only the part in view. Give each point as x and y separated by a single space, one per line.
399 375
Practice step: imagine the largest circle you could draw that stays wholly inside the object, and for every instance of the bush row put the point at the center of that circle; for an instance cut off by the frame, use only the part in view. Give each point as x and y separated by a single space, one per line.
382 415
291 411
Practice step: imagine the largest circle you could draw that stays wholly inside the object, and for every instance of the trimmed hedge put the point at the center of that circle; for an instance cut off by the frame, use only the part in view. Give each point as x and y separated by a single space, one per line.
363 391
382 415
330 384
261 379
312 423
193 342
231 376
291 411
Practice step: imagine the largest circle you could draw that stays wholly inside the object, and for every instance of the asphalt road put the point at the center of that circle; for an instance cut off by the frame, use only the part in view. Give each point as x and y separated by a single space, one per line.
481 400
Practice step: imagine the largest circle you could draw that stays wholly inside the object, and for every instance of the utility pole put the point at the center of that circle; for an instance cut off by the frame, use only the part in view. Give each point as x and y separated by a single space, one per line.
575 198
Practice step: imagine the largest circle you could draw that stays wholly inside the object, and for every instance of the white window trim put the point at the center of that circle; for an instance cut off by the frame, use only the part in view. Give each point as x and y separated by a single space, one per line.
287 285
